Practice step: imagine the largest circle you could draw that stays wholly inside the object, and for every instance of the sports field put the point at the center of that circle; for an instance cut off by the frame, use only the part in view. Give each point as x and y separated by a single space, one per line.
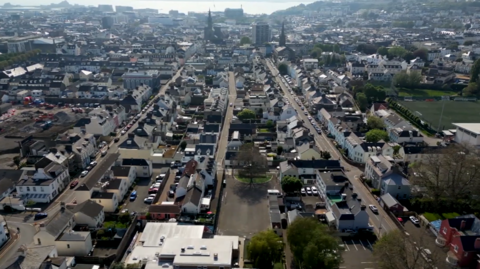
455 111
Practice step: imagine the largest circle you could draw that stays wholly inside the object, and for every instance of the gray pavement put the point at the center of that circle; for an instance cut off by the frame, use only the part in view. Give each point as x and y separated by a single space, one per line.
357 254
25 237
381 222
244 208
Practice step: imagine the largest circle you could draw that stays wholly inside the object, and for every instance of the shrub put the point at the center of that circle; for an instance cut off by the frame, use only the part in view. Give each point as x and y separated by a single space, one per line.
376 192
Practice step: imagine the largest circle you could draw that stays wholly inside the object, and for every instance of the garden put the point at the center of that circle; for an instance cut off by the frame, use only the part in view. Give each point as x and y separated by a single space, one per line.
436 216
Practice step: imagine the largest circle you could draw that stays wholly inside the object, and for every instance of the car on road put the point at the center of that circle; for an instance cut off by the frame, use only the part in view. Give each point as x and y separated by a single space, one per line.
308 190
303 191
156 185
171 193
93 164
231 104
373 208
309 118
84 173
73 184
314 191
123 132
305 113
133 195
152 190
116 139
148 200
41 215
414 220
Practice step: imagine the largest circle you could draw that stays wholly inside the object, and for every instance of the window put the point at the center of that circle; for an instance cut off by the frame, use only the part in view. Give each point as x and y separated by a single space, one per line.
34 188
28 188
68 245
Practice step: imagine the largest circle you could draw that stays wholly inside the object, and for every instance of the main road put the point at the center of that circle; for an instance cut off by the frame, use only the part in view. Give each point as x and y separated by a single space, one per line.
381 222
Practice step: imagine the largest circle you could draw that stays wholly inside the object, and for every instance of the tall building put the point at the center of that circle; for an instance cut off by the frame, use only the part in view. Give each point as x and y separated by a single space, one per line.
233 13
107 22
282 39
260 33
208 31
123 8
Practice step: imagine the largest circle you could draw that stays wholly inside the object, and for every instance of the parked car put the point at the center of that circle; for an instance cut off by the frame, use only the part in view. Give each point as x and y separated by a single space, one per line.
414 220
123 132
156 185
116 139
84 173
303 191
314 191
73 184
308 190
152 190
148 200
93 164
373 208
171 193
41 215
133 195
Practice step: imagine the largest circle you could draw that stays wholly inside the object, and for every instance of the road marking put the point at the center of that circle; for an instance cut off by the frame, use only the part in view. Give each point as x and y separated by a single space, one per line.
368 262
370 244
345 243
354 245
362 245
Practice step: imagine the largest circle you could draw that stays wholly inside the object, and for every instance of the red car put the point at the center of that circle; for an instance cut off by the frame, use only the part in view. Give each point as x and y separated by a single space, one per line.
152 190
73 184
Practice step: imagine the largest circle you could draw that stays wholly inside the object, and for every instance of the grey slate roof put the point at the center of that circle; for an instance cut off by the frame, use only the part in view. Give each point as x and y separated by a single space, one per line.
89 208
57 224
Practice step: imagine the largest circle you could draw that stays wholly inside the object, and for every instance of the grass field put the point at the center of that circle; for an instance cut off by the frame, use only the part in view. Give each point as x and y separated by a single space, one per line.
435 216
256 180
425 93
460 112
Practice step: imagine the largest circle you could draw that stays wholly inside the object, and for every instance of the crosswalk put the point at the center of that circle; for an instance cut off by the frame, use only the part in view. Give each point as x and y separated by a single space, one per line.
357 245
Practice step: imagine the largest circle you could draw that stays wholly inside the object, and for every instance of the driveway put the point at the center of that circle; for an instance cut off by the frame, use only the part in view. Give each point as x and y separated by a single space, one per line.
143 184
244 210
357 254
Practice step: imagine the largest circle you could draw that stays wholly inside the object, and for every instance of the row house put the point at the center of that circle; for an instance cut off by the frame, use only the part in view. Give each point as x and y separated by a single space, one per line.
135 78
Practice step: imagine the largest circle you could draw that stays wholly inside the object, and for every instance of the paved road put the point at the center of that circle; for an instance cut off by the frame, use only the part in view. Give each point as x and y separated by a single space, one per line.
381 222
25 237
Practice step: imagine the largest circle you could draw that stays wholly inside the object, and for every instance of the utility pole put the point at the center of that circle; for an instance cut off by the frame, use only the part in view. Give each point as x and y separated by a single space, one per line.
441 116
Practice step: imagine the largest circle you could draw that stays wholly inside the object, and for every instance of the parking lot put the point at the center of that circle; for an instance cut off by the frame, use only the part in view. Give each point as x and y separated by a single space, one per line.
244 210
143 184
357 254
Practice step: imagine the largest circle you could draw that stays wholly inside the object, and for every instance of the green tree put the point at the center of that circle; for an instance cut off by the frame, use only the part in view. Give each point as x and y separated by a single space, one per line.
316 52
374 93
325 155
183 145
468 43
291 184
252 164
245 40
246 114
283 69
30 203
374 122
421 53
396 52
475 71
471 90
382 51
279 150
124 218
270 124
362 101
407 80
100 233
264 249
376 135
408 56
313 244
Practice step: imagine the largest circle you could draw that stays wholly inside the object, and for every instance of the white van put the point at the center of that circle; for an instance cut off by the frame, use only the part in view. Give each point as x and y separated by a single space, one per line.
274 192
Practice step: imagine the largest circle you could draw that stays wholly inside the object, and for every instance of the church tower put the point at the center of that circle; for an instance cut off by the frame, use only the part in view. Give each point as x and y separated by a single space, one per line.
282 37
208 31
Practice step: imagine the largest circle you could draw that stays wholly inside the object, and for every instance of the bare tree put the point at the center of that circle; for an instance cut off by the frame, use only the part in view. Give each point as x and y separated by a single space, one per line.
250 162
449 173
396 250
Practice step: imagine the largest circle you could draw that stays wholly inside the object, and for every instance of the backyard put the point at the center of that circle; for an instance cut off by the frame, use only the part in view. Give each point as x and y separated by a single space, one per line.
256 180
435 216
455 111
424 93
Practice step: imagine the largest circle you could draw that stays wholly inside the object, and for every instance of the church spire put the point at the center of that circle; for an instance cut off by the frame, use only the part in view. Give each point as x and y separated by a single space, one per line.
209 20
282 38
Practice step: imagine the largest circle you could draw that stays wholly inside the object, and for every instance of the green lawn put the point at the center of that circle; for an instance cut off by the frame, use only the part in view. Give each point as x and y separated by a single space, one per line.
424 93
455 111
435 216
256 180
263 130
114 224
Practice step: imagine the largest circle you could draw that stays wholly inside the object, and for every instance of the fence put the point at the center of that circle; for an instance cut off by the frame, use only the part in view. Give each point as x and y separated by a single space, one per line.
107 260
122 247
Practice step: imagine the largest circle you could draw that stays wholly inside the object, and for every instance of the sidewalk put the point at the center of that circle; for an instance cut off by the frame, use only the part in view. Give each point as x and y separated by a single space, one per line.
13 238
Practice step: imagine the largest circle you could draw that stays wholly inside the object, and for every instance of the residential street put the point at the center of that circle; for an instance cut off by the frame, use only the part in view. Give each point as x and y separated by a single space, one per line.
25 237
381 222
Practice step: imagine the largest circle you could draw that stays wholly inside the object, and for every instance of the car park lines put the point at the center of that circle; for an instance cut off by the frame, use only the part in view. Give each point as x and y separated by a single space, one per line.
358 245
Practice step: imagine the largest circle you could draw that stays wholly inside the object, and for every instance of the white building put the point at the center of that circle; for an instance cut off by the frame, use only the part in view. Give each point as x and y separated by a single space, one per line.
44 184
3 234
468 133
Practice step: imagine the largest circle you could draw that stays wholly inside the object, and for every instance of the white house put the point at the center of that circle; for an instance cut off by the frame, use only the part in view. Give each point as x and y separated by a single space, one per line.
125 173
3 234
468 133
55 226
101 123
74 243
405 135
88 213
310 64
350 214
305 169
44 184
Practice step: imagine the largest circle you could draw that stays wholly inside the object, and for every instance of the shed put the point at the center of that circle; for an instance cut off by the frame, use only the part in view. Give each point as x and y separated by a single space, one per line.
391 204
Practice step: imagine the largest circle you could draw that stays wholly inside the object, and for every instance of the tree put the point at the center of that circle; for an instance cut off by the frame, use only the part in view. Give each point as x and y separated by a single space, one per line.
394 250
16 161
396 52
291 184
246 114
421 53
376 135
475 71
313 244
124 217
373 93
183 145
316 52
367 48
30 203
325 155
279 150
251 163
471 90
264 249
283 69
468 43
407 80
100 233
270 124
449 174
362 101
245 40
374 122
382 51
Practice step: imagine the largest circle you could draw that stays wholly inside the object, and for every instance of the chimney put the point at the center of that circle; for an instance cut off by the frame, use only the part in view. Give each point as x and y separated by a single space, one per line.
363 207
477 243
462 225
